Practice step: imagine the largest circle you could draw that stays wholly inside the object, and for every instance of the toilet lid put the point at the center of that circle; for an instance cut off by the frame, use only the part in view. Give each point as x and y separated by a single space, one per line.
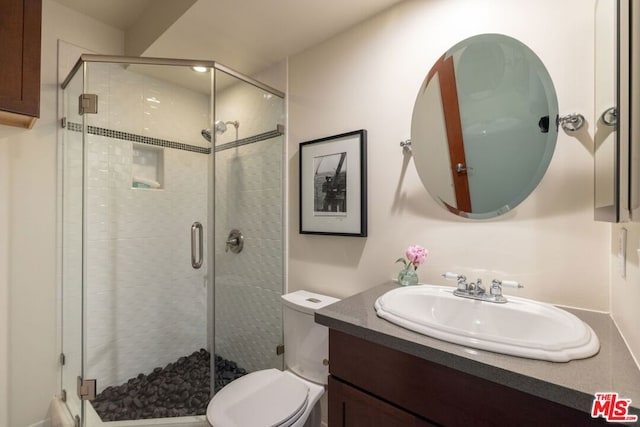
263 398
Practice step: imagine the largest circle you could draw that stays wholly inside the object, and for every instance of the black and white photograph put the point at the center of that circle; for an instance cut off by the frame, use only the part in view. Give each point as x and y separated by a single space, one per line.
330 185
333 185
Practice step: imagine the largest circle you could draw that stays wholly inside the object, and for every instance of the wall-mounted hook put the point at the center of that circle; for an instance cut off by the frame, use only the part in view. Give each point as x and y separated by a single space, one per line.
571 122
406 145
610 117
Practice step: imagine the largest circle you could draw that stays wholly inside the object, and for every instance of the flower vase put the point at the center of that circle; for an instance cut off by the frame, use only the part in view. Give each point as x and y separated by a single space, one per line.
408 276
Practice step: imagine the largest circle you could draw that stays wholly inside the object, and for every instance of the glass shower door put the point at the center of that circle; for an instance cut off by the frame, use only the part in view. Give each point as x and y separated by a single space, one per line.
249 244
146 197
72 176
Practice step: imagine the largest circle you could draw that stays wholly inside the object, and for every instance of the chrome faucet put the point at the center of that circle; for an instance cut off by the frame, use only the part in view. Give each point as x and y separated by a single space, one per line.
476 288
477 291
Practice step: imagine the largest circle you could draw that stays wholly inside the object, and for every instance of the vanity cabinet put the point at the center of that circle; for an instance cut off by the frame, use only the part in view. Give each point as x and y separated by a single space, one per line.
350 407
374 385
20 26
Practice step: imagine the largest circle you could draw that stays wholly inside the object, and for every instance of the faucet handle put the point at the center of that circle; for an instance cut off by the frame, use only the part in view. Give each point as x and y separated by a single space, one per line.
496 286
507 283
461 279
452 276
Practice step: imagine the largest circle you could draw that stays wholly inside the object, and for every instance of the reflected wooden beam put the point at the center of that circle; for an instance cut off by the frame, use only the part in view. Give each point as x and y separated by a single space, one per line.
451 109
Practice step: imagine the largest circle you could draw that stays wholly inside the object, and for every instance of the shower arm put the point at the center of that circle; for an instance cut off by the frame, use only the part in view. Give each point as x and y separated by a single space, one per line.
236 124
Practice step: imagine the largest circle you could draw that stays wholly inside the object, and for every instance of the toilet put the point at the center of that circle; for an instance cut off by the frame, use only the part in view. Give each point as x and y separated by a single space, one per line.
289 398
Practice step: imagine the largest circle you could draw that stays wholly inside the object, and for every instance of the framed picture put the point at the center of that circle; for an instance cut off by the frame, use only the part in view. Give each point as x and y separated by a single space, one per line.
333 185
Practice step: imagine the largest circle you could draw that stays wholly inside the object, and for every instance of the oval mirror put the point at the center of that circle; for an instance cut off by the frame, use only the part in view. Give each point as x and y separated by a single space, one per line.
484 126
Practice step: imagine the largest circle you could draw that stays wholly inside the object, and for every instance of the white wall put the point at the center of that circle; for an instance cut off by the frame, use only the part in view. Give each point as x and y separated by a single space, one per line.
625 291
368 77
274 76
30 159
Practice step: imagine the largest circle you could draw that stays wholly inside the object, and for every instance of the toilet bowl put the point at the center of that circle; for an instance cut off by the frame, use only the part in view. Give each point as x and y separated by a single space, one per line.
289 398
265 398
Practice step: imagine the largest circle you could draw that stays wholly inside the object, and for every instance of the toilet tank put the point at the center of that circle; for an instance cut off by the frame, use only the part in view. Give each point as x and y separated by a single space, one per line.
306 343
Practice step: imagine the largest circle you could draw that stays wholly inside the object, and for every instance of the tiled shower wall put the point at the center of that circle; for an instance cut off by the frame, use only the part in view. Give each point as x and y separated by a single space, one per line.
249 183
146 305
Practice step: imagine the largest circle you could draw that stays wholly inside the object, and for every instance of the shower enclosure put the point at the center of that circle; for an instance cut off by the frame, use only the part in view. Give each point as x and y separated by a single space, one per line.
172 236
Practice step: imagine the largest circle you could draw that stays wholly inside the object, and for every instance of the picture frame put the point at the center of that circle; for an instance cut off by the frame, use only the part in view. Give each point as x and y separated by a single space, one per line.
333 185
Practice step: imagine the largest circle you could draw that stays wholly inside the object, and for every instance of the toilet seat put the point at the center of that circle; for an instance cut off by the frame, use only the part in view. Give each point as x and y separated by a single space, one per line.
264 398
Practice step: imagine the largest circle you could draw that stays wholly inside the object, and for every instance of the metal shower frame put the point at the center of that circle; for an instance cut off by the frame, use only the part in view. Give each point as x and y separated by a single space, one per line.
141 60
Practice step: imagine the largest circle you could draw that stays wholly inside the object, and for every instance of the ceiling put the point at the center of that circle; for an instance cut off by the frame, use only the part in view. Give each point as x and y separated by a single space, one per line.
117 13
246 35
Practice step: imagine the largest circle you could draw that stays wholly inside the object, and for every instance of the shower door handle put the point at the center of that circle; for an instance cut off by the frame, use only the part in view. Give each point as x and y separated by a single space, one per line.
196 245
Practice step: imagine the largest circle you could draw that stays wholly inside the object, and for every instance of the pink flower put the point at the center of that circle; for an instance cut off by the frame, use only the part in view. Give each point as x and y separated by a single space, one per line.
416 255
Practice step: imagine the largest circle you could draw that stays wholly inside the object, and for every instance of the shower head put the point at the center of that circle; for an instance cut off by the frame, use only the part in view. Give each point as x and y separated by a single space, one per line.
221 127
206 134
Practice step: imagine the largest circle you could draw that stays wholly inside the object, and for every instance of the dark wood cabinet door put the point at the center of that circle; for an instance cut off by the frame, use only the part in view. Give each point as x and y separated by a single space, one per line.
350 407
20 23
443 395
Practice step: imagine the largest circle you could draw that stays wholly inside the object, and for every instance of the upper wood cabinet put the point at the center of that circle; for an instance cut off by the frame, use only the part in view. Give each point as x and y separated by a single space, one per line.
20 22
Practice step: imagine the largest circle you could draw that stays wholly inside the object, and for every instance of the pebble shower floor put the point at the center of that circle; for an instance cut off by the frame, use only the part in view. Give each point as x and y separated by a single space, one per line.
181 388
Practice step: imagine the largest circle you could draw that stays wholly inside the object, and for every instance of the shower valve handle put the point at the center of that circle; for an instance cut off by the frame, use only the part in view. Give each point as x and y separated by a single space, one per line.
231 242
235 242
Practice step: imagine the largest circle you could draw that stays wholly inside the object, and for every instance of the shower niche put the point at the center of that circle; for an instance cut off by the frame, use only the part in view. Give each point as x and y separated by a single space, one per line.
147 167
157 334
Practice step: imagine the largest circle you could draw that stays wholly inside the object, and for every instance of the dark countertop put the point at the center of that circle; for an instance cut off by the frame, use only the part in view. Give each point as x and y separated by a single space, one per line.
572 384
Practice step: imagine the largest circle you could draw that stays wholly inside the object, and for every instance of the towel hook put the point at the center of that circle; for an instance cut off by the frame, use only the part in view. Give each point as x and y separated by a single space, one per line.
571 122
610 117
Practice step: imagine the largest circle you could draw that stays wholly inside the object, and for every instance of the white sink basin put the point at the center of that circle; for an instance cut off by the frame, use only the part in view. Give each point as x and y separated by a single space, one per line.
521 327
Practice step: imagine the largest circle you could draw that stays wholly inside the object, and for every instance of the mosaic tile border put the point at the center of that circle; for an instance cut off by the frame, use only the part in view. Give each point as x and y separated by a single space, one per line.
76 127
126 136
251 139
